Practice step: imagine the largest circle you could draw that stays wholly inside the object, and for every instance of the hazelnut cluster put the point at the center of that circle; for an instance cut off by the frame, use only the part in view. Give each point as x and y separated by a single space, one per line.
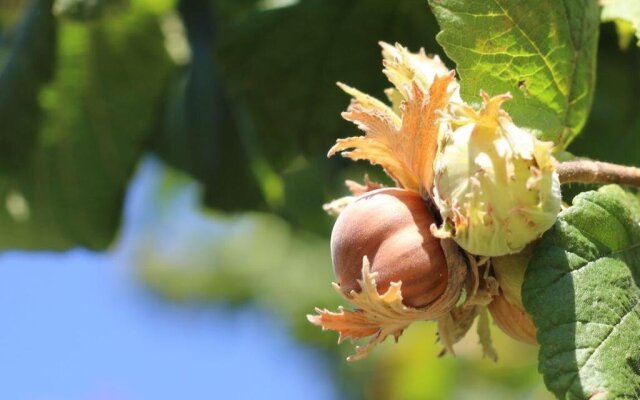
449 243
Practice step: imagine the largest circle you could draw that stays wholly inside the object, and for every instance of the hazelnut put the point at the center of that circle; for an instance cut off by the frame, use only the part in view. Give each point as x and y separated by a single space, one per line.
391 227
495 183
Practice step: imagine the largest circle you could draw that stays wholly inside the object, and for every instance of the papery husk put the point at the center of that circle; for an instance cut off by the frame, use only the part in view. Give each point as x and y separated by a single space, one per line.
335 207
379 316
454 326
480 289
404 146
358 189
509 271
402 138
403 67
506 308
495 183
513 321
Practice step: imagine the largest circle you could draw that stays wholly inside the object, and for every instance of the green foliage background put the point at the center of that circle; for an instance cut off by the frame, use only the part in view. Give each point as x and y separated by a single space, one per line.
241 96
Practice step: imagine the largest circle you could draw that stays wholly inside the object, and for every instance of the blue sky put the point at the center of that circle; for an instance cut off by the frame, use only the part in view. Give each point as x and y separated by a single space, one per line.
77 325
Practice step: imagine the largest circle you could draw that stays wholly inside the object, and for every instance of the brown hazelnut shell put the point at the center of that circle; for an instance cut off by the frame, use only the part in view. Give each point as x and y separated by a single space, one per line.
391 227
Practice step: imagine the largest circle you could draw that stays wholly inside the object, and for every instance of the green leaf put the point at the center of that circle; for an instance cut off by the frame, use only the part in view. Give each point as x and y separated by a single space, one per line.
98 114
281 66
613 130
79 9
231 9
542 52
582 289
626 11
200 134
26 64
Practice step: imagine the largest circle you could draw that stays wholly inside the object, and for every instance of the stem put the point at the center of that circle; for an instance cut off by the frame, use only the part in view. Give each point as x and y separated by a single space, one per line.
588 171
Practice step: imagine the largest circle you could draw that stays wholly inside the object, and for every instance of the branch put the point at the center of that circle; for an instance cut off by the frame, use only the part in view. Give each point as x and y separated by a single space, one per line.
588 171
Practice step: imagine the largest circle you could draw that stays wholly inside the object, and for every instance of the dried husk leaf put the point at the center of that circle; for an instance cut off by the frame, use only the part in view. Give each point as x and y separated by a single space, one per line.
405 147
454 326
358 189
382 315
484 334
403 67
335 207
513 321
506 307
509 271
480 290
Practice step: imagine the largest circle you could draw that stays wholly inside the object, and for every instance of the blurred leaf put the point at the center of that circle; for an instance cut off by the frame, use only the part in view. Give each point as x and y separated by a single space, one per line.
281 66
26 63
627 11
79 9
613 130
97 117
199 133
306 185
543 53
10 11
231 9
582 289
91 10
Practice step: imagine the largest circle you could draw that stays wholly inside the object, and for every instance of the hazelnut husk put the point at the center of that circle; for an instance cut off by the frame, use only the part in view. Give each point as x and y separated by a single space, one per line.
495 183
506 308
391 227
513 320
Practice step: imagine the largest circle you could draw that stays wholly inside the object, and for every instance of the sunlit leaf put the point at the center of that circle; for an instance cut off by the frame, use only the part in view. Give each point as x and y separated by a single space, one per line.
544 54
582 289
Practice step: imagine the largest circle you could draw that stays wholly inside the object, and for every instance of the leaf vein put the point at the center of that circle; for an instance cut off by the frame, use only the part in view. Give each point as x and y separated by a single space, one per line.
606 338
536 48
